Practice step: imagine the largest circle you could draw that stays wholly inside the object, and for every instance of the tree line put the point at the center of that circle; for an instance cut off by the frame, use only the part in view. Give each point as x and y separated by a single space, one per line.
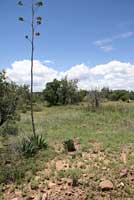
57 92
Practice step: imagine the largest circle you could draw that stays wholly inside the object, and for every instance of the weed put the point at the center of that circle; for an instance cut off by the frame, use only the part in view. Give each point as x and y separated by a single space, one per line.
74 174
60 174
34 184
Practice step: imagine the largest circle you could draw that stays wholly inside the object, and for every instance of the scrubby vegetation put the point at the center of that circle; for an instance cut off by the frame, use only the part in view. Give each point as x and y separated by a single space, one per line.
117 95
8 99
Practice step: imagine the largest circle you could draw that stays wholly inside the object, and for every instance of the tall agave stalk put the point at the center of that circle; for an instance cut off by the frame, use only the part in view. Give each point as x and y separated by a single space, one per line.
35 20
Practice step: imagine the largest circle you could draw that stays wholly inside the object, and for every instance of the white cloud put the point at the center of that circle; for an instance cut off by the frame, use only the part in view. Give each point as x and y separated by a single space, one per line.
80 72
20 73
115 75
48 62
106 44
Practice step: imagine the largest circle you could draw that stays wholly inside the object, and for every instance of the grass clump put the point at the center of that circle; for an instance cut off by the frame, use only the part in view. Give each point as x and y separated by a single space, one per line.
74 174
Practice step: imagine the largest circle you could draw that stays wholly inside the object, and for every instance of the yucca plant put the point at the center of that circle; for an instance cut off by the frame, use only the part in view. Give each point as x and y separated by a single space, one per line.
39 141
31 144
27 148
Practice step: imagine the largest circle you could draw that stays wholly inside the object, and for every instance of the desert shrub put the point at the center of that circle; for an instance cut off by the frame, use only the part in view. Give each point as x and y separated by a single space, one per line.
69 145
9 128
30 145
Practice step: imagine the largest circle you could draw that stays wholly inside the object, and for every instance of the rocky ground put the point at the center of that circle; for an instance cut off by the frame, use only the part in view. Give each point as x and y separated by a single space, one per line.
93 175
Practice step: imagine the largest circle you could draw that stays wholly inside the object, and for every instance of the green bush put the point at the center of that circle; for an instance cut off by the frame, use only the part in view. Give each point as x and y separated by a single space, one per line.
69 145
9 128
8 99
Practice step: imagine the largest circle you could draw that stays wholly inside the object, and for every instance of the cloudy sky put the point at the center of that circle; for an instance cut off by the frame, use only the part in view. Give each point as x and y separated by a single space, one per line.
90 40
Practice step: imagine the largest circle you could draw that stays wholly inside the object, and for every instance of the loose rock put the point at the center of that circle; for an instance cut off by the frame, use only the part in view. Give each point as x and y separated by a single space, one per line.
106 185
45 196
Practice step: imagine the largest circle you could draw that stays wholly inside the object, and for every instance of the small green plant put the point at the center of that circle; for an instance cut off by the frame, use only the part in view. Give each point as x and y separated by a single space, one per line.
27 148
34 184
69 145
60 174
74 174
30 145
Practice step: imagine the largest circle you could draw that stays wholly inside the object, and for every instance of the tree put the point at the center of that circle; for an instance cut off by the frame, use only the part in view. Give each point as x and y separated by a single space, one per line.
117 95
35 21
68 91
61 92
51 93
95 98
8 99
105 91
82 94
23 97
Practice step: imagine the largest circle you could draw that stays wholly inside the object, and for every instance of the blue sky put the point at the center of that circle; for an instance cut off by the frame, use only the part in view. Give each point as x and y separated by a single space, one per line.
69 30
73 32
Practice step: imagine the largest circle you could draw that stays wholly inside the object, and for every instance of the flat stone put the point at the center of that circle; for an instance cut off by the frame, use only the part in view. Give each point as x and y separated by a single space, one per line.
106 185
